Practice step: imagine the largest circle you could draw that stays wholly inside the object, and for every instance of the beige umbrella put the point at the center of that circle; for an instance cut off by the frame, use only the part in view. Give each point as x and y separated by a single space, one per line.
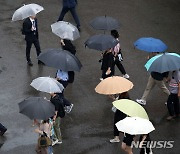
113 85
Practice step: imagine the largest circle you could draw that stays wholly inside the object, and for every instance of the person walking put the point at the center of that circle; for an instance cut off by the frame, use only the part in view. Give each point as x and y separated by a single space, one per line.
154 79
117 117
59 113
70 5
173 99
44 128
107 66
118 55
30 30
67 45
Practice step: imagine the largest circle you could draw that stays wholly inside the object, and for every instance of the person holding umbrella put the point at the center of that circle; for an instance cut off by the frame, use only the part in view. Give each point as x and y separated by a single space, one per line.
30 30
118 55
44 128
107 66
173 100
117 117
59 113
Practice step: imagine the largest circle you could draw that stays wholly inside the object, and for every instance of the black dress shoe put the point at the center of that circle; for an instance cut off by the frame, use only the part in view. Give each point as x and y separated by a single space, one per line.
79 29
40 62
30 63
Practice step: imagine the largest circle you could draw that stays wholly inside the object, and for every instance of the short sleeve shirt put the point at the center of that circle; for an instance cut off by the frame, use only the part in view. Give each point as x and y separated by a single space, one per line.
174 82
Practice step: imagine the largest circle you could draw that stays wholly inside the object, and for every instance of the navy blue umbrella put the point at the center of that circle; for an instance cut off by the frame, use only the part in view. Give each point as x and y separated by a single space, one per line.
37 108
105 23
101 42
150 44
60 59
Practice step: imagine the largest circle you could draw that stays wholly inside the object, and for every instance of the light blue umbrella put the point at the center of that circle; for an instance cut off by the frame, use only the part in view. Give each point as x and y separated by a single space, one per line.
163 63
150 44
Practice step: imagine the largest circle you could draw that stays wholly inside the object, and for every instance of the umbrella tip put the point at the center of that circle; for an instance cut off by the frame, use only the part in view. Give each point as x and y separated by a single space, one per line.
24 4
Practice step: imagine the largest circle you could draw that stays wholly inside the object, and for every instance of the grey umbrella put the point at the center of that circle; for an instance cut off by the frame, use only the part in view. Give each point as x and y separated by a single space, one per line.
105 23
163 63
37 108
101 42
60 59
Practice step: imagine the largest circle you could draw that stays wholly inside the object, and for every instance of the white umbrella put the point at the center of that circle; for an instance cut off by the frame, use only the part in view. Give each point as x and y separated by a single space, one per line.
135 126
26 11
47 84
65 30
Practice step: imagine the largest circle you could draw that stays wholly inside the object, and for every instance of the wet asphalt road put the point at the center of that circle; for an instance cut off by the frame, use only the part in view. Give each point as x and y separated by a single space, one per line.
88 128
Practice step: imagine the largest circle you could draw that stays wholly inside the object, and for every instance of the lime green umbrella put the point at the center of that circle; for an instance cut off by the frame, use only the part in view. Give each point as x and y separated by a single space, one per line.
130 108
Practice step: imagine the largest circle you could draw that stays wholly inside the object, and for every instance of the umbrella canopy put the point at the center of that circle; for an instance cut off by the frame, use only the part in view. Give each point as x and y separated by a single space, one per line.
163 63
150 44
26 11
60 59
113 85
135 126
47 84
65 30
105 23
37 108
130 108
101 42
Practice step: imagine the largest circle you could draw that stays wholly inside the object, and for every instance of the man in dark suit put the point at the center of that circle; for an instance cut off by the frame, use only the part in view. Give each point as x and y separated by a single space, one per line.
70 5
30 30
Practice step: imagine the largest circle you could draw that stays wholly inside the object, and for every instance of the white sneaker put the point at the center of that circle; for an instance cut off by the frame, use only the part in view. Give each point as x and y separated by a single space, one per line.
54 142
126 76
59 142
141 101
69 108
114 140
100 79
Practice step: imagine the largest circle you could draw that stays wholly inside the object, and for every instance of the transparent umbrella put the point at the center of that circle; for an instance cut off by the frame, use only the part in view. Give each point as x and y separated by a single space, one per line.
47 84
65 30
26 11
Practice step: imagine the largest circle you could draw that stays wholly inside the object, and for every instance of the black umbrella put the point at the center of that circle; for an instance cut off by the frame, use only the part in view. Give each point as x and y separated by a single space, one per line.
105 23
60 59
37 108
101 42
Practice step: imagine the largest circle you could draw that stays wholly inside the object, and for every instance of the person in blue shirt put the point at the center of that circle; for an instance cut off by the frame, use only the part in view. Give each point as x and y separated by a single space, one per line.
62 77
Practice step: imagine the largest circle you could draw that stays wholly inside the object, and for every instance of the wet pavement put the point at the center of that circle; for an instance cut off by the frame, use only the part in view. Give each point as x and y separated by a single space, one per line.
88 128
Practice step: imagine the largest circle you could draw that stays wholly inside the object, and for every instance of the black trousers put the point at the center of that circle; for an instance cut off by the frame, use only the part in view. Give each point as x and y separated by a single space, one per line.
73 12
3 129
173 104
64 100
64 83
120 66
29 43
117 117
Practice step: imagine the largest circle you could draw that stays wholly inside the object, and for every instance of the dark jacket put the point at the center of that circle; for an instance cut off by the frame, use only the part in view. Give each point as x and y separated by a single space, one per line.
69 46
30 35
159 76
58 103
69 3
107 61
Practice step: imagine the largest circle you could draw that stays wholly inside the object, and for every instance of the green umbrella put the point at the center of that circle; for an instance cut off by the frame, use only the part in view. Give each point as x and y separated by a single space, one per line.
130 108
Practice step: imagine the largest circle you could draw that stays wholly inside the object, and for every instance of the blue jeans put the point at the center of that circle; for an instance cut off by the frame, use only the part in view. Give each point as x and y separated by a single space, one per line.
73 12
50 150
